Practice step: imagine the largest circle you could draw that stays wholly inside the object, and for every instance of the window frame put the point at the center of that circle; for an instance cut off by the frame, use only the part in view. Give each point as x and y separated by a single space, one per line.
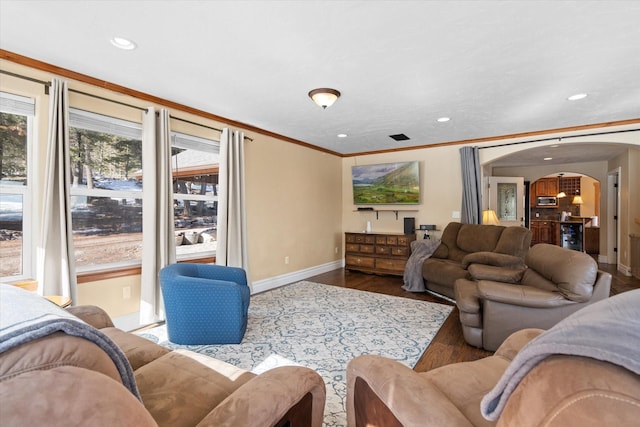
103 123
24 106
184 140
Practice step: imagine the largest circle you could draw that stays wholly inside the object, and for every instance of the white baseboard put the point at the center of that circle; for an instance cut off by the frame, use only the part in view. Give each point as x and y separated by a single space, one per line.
296 276
626 270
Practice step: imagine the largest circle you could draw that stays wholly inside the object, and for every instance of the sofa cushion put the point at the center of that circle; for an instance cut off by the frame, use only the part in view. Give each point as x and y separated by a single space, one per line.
573 273
514 241
448 247
182 379
499 274
139 351
478 238
447 271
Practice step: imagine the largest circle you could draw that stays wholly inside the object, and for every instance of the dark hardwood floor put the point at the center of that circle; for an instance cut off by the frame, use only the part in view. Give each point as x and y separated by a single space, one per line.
448 346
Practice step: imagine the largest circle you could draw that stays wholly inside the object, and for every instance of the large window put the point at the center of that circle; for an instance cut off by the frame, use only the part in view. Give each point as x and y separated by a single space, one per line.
106 190
16 124
194 165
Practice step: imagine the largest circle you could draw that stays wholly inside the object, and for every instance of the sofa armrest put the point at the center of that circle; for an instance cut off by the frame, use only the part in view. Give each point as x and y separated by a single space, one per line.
514 343
93 315
493 258
496 274
267 398
402 391
521 295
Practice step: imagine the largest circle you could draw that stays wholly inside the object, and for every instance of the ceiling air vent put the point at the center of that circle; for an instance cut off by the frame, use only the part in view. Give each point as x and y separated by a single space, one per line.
400 137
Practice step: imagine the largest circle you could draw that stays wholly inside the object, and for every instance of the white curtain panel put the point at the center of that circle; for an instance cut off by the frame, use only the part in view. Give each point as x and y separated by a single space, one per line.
56 271
232 220
158 241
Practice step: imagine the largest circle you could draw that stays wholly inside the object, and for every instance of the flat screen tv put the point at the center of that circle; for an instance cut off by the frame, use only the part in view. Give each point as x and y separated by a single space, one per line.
387 183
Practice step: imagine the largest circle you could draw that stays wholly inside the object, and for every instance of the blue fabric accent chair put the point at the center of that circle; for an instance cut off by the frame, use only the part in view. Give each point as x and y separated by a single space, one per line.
205 303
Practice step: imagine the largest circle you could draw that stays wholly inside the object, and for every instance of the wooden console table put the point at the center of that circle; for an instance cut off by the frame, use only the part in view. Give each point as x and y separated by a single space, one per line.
378 253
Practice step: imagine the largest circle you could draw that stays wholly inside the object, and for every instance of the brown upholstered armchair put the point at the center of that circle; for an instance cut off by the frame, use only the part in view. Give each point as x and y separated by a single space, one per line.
556 283
582 372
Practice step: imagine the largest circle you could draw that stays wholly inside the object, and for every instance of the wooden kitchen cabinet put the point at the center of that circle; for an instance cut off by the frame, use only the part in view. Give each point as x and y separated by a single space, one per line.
592 240
546 187
544 232
379 253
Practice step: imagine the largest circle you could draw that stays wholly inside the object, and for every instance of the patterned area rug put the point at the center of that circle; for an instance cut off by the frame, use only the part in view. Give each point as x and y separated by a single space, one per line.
323 327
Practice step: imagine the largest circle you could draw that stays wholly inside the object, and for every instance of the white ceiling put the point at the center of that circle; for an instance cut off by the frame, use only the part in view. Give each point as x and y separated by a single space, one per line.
494 67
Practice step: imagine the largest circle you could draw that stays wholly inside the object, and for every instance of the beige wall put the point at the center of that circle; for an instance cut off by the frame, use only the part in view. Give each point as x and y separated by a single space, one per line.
293 207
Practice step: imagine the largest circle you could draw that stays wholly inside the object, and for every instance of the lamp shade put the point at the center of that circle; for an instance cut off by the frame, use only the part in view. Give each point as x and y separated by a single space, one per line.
577 200
324 97
561 194
489 217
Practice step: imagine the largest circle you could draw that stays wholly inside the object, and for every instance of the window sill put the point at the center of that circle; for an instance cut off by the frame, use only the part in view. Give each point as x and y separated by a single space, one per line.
113 273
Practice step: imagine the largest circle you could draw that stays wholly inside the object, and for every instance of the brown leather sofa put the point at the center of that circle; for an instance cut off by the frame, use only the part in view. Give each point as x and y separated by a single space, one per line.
580 373
465 244
556 283
66 380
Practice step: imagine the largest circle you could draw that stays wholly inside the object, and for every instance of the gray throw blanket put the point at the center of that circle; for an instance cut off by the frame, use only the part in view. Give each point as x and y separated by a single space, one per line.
608 330
420 250
25 316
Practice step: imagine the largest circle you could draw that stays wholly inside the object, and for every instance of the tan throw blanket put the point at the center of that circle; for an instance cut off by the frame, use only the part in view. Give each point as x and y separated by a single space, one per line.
608 330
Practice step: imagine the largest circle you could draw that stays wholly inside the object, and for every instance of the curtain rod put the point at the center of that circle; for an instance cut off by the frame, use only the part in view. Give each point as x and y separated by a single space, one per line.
558 138
48 84
201 125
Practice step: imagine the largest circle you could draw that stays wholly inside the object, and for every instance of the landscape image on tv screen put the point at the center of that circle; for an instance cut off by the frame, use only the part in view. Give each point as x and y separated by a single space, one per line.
387 183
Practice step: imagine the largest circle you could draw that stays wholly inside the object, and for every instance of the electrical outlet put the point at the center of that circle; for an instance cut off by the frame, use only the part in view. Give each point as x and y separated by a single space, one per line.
126 292
336 249
286 260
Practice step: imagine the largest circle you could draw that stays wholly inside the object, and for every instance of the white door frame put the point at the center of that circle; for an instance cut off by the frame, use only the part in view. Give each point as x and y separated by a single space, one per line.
613 211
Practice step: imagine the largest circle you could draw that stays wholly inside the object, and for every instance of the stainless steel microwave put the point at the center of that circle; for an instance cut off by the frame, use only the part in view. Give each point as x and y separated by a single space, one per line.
547 201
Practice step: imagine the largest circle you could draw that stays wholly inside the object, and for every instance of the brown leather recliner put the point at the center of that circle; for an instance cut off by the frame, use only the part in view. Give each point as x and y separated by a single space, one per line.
556 283
581 373
465 244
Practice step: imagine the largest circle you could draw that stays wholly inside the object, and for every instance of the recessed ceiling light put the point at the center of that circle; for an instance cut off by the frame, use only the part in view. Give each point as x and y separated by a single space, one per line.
443 119
342 135
123 43
548 158
577 96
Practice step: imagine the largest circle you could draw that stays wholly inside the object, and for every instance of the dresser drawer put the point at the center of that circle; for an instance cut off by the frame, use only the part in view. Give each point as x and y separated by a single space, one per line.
390 264
383 250
405 240
365 238
399 251
358 261
367 249
352 247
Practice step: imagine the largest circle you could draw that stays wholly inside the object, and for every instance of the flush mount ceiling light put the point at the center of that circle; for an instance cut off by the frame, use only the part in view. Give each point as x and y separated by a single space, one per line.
443 119
342 135
577 96
324 97
122 43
